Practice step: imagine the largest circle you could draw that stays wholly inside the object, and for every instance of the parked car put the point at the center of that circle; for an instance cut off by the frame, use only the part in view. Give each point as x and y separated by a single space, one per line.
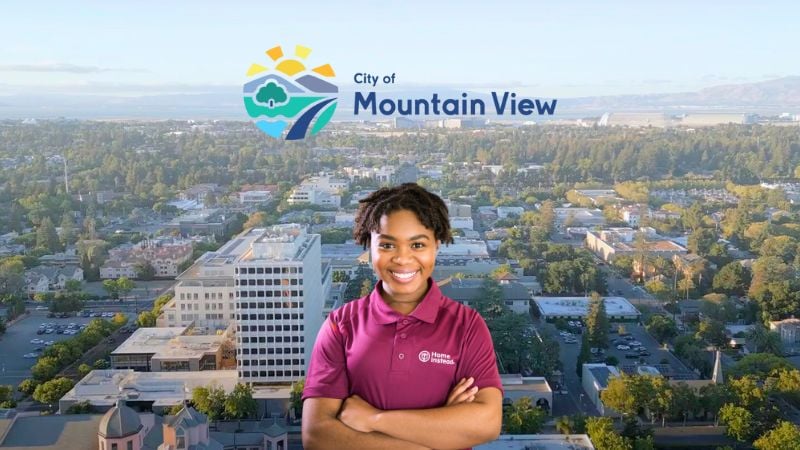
635 343
623 347
632 355
30 355
644 352
36 341
40 331
41 308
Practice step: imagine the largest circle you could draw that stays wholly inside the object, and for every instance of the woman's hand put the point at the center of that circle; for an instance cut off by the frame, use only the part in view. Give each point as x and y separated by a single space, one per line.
462 392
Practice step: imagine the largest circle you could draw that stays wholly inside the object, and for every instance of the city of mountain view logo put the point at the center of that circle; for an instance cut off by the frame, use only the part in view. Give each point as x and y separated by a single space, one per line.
274 97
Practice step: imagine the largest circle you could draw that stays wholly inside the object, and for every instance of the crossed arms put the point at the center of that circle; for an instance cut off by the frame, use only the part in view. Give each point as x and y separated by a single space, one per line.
469 418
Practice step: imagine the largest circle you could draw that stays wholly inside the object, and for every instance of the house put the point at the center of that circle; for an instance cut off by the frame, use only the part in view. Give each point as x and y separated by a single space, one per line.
468 290
50 278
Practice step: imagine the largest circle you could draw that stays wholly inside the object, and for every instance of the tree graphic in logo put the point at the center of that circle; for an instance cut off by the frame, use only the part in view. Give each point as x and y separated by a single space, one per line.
289 92
272 94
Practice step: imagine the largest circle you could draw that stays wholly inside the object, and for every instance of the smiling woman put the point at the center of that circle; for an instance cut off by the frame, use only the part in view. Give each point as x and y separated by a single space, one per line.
405 366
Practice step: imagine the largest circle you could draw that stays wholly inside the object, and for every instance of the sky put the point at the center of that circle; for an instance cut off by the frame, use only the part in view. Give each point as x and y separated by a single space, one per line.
564 48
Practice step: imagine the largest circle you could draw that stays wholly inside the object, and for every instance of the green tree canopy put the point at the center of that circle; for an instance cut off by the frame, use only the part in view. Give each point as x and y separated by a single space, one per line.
272 94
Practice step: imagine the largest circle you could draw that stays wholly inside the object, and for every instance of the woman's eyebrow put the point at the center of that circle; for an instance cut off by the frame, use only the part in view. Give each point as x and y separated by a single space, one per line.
412 238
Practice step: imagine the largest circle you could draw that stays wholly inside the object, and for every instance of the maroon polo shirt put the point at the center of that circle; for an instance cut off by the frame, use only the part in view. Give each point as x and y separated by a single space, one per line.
401 362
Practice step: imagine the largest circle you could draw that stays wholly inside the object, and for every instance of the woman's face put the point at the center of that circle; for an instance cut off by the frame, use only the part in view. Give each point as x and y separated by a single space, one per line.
403 255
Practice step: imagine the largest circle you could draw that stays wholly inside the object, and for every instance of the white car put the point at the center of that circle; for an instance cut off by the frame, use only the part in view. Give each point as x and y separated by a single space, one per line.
41 308
37 341
623 347
49 343
30 355
635 344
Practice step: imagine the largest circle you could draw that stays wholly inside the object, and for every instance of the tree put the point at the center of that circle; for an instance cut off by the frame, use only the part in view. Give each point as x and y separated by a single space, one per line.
73 286
51 391
124 286
490 303
732 279
271 94
522 417
45 368
700 241
601 431
764 341
83 407
210 401
84 369
240 404
111 287
786 436
146 319
27 386
662 328
739 421
119 320
759 365
684 401
619 397
597 322
296 397
46 236
67 234
713 397
713 332
144 270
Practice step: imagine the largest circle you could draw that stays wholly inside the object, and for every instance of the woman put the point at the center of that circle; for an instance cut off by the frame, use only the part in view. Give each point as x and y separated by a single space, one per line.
405 366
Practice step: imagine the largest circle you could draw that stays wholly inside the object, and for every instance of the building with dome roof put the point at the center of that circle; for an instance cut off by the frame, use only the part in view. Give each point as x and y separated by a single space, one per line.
121 429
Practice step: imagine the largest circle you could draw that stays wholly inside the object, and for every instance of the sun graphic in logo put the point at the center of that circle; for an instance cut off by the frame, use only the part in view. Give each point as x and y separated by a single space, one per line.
272 100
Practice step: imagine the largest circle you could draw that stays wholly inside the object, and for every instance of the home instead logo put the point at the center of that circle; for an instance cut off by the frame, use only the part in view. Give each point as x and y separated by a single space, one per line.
272 100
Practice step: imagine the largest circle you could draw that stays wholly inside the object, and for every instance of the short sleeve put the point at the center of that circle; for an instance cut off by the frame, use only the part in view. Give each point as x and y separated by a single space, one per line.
478 358
327 372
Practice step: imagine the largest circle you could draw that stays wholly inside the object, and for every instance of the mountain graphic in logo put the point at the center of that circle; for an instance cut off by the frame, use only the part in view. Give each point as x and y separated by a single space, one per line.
290 94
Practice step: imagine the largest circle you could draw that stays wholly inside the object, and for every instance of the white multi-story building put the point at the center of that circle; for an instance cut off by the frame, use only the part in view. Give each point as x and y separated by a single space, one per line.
280 293
204 293
304 194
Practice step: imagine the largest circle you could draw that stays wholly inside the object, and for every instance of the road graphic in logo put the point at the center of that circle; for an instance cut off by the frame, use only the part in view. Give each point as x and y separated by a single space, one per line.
274 97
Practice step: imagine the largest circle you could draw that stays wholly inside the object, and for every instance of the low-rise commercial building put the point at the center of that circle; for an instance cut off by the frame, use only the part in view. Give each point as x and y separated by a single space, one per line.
617 308
180 349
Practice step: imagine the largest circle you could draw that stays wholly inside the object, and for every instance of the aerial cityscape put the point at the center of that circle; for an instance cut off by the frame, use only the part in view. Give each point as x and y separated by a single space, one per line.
622 183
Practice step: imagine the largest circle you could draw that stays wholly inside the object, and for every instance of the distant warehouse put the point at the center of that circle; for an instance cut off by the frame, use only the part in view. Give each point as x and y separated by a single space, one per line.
551 308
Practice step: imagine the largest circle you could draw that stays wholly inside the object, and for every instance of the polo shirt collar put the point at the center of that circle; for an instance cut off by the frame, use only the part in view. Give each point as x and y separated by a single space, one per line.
426 310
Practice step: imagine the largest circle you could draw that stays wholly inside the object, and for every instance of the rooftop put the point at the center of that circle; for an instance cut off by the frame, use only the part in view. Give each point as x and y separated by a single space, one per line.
602 373
105 387
539 442
579 306
73 431
171 343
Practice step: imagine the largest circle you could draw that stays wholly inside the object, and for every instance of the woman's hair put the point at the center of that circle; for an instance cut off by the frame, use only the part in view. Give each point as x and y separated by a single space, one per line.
429 209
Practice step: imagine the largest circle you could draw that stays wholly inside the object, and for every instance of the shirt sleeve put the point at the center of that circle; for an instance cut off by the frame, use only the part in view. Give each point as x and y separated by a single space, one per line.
327 371
478 359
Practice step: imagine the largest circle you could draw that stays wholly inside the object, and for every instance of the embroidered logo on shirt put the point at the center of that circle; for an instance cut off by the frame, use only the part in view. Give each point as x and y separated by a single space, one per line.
436 358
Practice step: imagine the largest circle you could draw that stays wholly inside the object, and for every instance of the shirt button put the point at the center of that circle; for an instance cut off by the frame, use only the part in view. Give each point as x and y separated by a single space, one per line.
401 356
405 321
402 335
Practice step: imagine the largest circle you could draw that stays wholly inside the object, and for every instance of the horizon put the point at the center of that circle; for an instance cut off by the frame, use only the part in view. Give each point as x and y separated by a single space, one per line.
578 50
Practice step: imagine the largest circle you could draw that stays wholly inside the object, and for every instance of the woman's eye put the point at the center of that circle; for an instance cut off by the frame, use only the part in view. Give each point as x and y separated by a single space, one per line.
417 245
385 246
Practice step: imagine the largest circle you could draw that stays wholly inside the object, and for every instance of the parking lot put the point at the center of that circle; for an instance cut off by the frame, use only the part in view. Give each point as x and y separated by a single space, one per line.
634 336
16 343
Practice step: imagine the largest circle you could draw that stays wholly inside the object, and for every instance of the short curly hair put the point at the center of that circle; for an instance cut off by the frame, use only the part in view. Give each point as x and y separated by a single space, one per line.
428 207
